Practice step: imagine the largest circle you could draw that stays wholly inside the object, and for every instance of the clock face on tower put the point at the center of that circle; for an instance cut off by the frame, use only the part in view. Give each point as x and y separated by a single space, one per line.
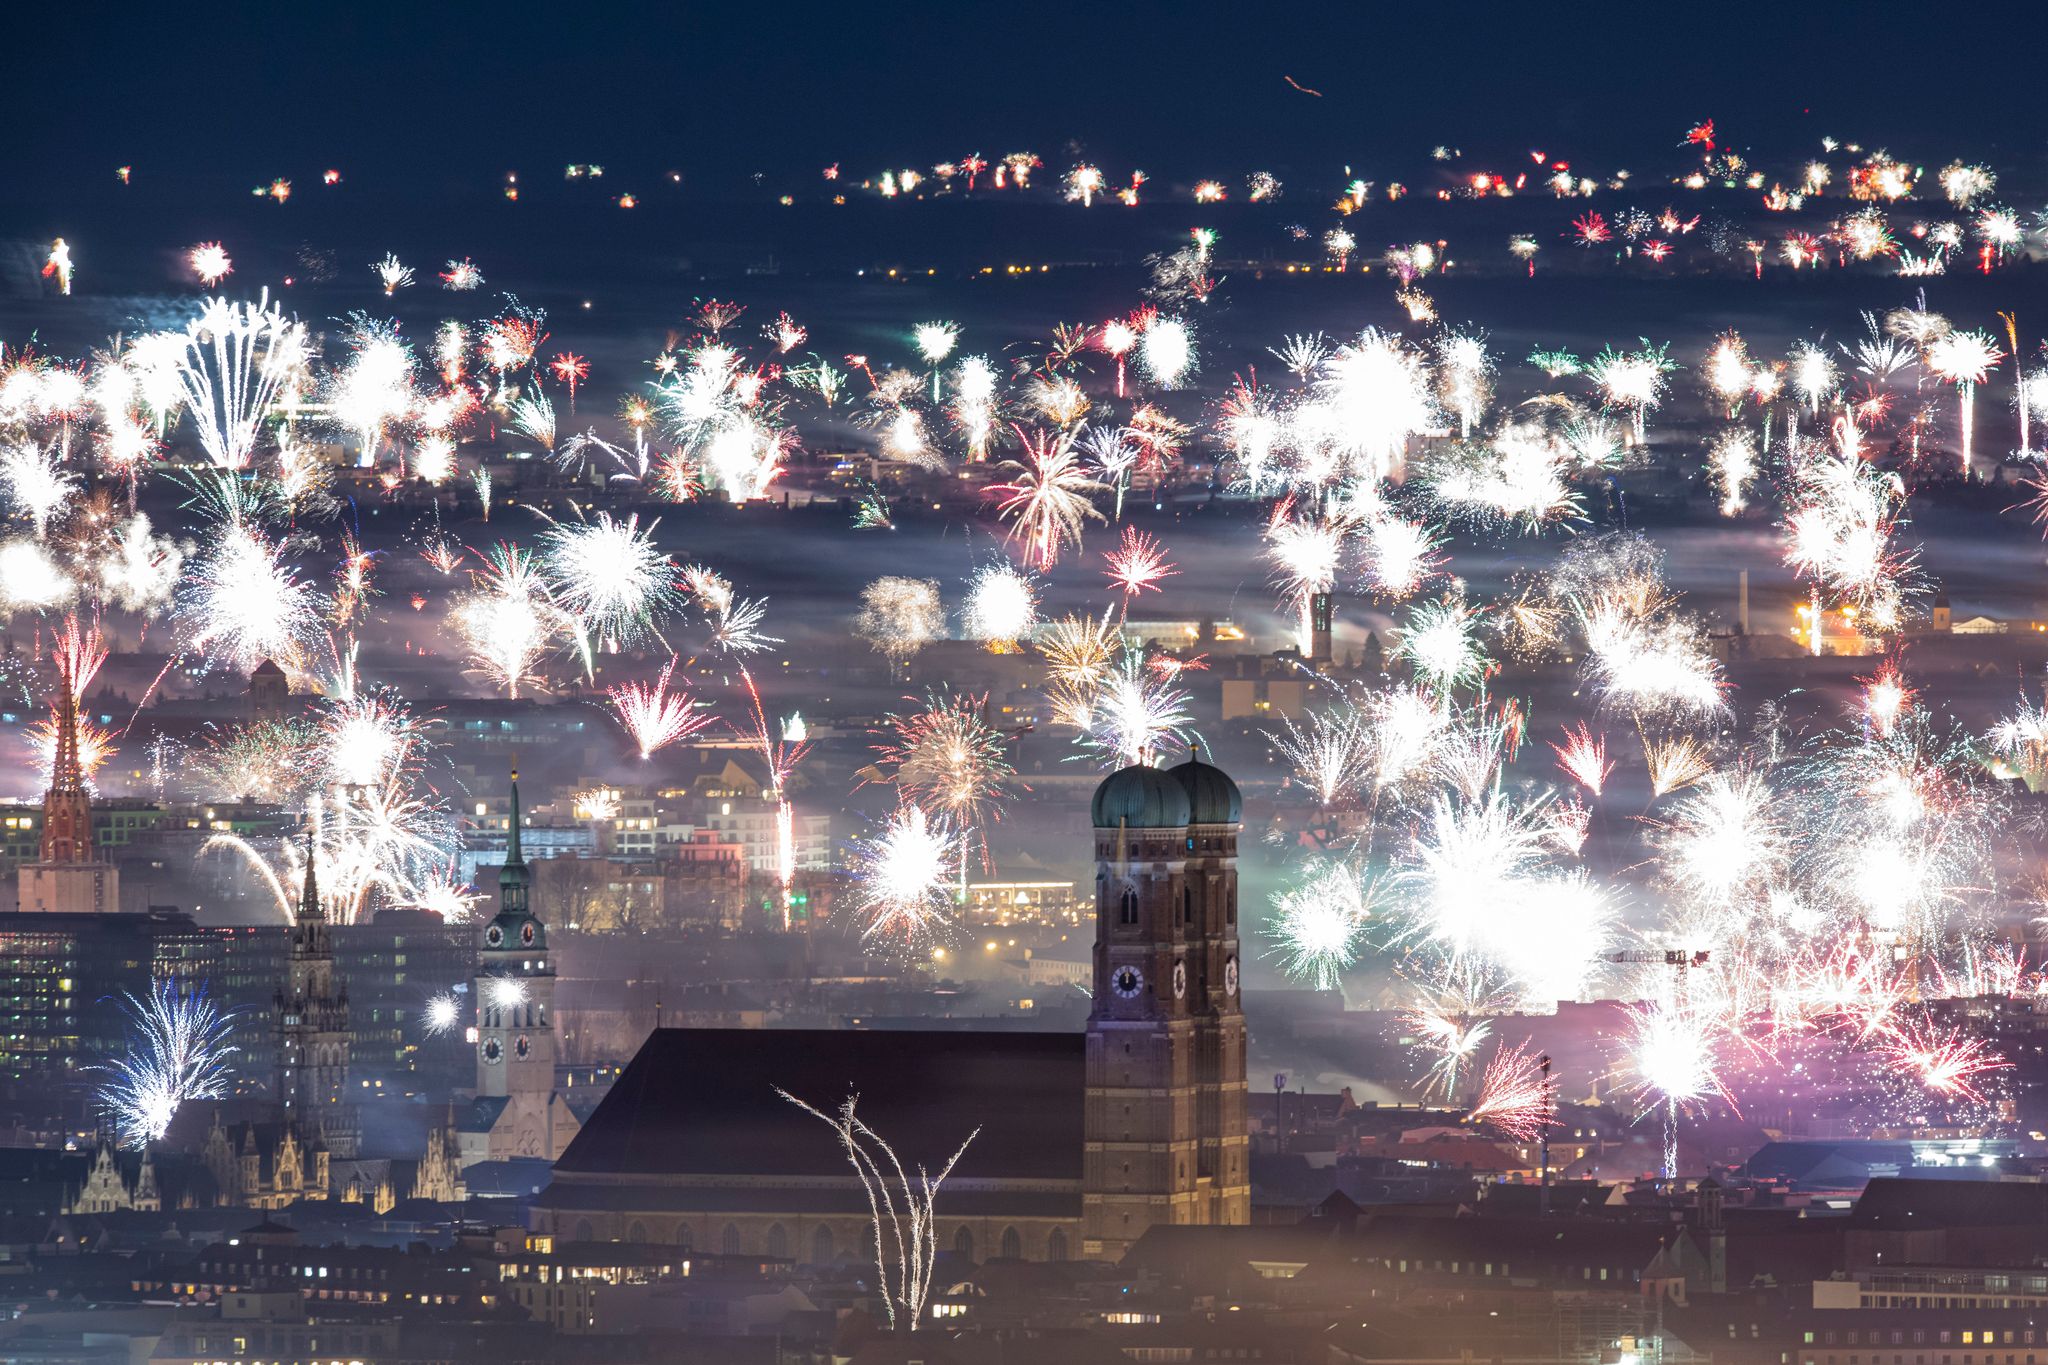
494 1051
526 934
1230 977
1180 980
1127 982
494 936
523 1048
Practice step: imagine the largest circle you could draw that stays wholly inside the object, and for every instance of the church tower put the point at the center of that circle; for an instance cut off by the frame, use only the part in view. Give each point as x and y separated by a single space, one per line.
518 1113
1165 1135
67 876
311 1011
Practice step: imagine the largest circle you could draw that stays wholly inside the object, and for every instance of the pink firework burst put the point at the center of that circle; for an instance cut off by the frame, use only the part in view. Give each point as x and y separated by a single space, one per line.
1583 758
1138 563
1517 1097
656 717
1947 1060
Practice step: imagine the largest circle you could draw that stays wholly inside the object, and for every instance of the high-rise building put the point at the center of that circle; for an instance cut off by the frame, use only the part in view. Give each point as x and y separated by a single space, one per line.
68 875
312 1030
517 1112
1165 1141
65 981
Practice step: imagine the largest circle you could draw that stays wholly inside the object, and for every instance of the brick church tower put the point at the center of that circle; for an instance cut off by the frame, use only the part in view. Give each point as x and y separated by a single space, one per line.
68 875
1165 1124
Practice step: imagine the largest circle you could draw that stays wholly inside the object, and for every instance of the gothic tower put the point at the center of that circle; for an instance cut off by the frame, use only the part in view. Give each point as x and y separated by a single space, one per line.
67 876
1165 1122
311 1010
518 1111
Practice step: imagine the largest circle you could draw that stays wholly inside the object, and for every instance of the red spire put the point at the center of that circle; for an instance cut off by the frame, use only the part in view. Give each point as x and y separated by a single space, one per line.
64 771
67 811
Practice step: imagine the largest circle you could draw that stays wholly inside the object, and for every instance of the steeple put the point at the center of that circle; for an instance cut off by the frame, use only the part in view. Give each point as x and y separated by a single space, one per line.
65 773
310 908
515 1025
312 1030
514 927
67 810
512 876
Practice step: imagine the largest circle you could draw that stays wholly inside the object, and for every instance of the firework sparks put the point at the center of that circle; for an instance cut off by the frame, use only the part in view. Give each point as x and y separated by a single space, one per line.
609 576
1517 1097
1583 758
462 276
237 358
1138 563
950 762
900 616
241 603
392 274
1947 1061
1672 1058
1134 712
1049 497
654 716
1331 754
903 876
901 1207
1675 763
443 1014
178 1051
1166 351
1001 607
510 621
210 263
1318 927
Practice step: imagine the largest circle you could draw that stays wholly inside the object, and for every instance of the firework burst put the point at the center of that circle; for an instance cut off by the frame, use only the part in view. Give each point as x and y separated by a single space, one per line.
178 1051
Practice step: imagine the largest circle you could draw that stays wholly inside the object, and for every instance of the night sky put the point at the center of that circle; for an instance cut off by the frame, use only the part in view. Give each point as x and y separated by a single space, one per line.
462 91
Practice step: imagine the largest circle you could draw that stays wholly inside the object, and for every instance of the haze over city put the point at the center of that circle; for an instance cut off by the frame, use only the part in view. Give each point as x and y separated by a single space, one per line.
912 684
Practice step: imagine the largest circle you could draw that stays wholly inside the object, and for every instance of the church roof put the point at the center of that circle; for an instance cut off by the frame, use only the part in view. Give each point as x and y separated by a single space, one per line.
1213 799
1917 1204
481 1114
1141 797
704 1101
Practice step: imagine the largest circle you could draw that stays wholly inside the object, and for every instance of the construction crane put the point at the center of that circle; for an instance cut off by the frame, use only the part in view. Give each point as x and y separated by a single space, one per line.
1680 960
